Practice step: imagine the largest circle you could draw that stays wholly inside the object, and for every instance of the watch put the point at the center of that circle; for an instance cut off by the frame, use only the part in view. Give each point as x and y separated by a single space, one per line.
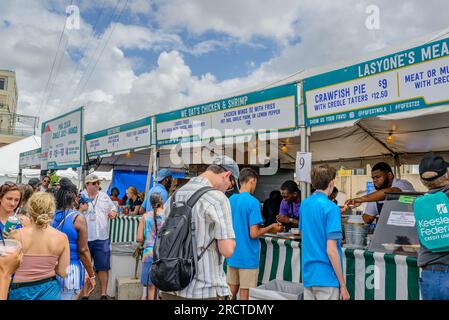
291 220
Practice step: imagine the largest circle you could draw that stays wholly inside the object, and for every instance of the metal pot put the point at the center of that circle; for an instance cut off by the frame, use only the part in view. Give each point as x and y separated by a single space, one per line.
355 235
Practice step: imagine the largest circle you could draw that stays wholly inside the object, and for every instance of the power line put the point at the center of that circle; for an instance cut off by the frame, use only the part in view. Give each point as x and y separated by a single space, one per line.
99 56
106 43
55 78
53 65
85 50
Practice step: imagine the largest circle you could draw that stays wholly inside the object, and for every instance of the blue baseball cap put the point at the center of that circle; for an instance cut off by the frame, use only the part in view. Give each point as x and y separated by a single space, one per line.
162 174
84 199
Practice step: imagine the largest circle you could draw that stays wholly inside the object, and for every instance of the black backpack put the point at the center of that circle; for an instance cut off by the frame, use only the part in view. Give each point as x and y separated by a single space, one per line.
174 254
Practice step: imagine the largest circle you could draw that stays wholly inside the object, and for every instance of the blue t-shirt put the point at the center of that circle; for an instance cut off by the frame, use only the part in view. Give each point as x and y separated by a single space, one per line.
157 188
245 213
319 221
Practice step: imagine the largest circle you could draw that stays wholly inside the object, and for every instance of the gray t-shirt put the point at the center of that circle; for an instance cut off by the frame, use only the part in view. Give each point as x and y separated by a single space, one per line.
404 185
426 257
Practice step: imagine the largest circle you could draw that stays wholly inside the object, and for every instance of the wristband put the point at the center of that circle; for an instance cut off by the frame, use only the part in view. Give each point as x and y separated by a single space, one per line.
291 220
92 277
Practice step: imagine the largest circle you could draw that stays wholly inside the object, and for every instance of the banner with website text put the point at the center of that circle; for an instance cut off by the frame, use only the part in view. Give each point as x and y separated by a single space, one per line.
408 80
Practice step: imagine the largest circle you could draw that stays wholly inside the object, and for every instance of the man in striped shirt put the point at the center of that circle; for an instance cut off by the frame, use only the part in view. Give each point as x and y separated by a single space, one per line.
213 220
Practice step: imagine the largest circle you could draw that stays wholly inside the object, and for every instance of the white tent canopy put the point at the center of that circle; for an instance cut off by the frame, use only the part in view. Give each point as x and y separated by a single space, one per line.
137 161
10 155
413 134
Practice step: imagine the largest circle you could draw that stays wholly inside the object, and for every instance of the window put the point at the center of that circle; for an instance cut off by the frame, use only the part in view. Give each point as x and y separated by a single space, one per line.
2 84
359 171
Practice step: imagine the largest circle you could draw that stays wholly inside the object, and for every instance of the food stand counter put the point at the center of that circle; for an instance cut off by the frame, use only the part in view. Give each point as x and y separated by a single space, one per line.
369 275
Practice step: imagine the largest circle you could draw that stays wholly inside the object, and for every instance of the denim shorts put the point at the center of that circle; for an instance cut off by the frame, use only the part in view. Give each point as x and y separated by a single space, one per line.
145 278
50 290
101 254
434 285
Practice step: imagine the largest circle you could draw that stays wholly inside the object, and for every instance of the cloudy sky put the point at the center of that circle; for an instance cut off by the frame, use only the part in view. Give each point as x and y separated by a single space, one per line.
134 58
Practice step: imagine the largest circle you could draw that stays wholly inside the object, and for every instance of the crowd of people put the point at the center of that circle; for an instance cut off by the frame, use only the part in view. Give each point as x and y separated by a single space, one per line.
62 236
65 250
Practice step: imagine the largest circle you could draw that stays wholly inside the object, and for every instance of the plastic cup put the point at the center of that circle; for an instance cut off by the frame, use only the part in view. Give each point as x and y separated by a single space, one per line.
10 246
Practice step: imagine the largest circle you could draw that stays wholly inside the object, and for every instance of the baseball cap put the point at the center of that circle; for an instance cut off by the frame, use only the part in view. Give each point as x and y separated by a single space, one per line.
92 178
228 164
84 199
34 182
432 163
162 174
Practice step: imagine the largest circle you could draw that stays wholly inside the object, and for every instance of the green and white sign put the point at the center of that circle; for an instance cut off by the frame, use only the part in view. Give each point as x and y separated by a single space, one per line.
270 109
408 80
30 159
61 141
127 137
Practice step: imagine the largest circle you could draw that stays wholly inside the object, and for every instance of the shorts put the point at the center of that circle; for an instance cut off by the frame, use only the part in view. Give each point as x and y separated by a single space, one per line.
69 294
50 290
245 278
145 278
321 293
101 254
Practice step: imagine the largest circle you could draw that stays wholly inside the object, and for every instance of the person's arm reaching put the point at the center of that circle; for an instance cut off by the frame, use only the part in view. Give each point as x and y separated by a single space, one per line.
378 195
367 218
256 231
334 258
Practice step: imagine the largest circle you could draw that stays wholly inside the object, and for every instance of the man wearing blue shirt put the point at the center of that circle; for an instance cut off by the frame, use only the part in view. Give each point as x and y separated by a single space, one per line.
163 183
243 265
320 225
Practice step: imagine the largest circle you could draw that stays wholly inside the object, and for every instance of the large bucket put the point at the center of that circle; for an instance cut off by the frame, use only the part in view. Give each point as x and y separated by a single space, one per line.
355 235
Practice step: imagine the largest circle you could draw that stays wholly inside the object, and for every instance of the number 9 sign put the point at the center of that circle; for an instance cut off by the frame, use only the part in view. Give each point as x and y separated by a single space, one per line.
303 166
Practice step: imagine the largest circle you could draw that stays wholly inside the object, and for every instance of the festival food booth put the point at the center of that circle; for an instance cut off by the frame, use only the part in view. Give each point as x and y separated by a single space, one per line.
250 127
258 128
392 107
126 151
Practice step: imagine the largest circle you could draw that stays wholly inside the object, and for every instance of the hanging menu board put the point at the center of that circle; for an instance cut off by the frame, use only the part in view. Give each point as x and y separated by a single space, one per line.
270 109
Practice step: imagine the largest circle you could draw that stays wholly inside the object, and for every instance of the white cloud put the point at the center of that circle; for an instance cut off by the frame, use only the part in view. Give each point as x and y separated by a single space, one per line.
240 19
329 32
140 6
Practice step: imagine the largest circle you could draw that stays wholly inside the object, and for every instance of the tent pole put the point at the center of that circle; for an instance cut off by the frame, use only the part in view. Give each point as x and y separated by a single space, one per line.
304 139
153 150
150 169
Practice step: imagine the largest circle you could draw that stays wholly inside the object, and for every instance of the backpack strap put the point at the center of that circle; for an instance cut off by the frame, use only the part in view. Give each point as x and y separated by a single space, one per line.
190 203
197 195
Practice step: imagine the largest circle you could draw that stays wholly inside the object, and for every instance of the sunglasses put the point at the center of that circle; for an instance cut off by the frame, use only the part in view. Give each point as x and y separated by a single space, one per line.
231 177
94 183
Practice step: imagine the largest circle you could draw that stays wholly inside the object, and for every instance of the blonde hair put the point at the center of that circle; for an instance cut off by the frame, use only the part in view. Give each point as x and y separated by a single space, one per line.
41 207
133 191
